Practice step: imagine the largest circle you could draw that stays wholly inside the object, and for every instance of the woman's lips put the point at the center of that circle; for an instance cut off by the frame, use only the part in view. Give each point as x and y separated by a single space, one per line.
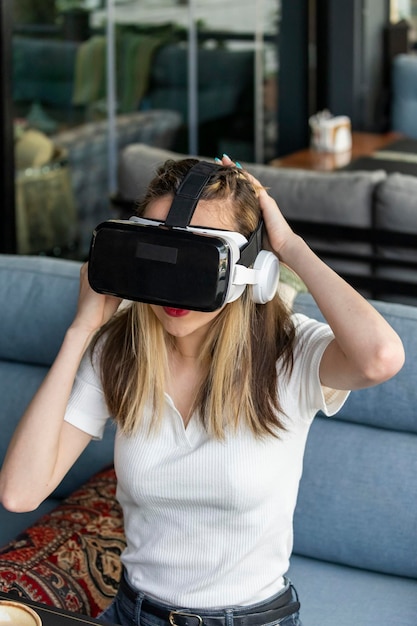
172 312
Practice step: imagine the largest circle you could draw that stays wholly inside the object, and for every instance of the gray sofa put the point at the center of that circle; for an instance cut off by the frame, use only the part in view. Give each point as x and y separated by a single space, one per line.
363 223
356 519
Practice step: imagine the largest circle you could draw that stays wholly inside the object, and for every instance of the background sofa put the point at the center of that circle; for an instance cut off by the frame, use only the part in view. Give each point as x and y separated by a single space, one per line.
60 202
152 73
87 150
404 94
67 101
362 223
356 519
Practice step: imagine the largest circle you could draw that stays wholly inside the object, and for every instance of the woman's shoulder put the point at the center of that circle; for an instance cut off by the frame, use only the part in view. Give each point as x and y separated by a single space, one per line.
310 333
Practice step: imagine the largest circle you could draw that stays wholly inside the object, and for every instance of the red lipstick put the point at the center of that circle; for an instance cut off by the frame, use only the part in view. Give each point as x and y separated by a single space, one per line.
175 312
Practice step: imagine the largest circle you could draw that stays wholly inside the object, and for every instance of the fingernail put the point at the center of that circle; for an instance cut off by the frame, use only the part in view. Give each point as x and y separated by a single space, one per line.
217 160
226 156
238 165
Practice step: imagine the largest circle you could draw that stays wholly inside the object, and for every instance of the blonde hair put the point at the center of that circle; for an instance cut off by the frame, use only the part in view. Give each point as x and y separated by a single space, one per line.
240 351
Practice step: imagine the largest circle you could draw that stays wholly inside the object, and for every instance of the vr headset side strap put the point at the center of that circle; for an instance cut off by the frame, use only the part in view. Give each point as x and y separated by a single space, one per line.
249 252
188 194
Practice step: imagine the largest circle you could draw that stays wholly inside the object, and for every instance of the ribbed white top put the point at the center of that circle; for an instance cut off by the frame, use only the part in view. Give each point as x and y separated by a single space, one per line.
209 523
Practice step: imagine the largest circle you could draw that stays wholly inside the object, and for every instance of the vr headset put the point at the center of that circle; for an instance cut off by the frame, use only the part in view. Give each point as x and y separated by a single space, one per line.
173 264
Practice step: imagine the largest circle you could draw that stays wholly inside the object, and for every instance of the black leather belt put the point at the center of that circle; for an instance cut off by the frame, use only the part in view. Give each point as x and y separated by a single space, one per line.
280 607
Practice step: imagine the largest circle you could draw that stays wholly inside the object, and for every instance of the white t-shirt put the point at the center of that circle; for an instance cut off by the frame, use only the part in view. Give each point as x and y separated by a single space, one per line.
210 523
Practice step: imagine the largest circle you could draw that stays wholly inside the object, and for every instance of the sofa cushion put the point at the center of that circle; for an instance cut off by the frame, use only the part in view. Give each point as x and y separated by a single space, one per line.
396 211
333 595
336 198
396 204
392 404
331 197
356 481
361 467
44 293
70 558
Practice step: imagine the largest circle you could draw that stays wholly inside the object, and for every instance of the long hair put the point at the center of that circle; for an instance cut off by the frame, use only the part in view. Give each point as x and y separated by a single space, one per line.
240 352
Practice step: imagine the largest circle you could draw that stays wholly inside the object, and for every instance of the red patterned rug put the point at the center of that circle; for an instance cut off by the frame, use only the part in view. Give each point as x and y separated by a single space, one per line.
71 557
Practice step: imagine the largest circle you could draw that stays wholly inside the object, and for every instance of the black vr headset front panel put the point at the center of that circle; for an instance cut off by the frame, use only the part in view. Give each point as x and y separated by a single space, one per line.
161 266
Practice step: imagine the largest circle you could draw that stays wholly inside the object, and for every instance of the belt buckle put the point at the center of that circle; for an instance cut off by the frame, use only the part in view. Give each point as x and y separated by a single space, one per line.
183 614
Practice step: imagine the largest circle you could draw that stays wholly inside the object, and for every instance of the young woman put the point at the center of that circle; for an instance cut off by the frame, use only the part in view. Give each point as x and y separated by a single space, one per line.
213 411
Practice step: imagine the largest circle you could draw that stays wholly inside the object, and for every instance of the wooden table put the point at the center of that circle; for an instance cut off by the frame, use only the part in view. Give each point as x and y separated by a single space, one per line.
363 144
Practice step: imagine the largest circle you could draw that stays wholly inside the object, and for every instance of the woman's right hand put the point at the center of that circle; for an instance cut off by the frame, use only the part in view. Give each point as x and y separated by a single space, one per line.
94 309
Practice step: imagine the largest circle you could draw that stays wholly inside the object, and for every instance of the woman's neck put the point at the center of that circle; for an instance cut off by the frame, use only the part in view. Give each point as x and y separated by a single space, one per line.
186 373
189 347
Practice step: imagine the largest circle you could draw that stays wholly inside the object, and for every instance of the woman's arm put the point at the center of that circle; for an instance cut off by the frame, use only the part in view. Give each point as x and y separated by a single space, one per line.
366 350
44 446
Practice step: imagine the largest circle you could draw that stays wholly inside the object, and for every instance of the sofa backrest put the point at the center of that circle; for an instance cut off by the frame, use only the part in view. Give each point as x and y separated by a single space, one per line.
339 214
38 298
357 503
340 198
302 195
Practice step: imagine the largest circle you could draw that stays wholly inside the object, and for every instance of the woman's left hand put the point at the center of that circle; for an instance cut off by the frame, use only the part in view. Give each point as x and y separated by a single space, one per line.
277 227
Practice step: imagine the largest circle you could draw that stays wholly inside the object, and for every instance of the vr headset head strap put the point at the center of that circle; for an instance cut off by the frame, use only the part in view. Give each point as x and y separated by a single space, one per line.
188 194
185 202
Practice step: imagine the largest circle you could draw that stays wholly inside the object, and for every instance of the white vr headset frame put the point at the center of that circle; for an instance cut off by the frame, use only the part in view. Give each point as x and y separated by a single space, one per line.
263 276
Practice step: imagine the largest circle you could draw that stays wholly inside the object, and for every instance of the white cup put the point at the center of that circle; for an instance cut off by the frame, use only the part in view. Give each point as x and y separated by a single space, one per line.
332 134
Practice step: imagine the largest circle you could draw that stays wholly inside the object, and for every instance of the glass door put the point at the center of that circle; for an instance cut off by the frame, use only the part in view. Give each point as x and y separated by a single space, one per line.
89 77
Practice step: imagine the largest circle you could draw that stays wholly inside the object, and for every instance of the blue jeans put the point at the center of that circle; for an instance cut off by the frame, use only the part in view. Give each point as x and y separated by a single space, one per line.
126 612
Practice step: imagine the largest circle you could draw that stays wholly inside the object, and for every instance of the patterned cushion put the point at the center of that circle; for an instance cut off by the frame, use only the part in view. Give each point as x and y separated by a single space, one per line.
71 557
